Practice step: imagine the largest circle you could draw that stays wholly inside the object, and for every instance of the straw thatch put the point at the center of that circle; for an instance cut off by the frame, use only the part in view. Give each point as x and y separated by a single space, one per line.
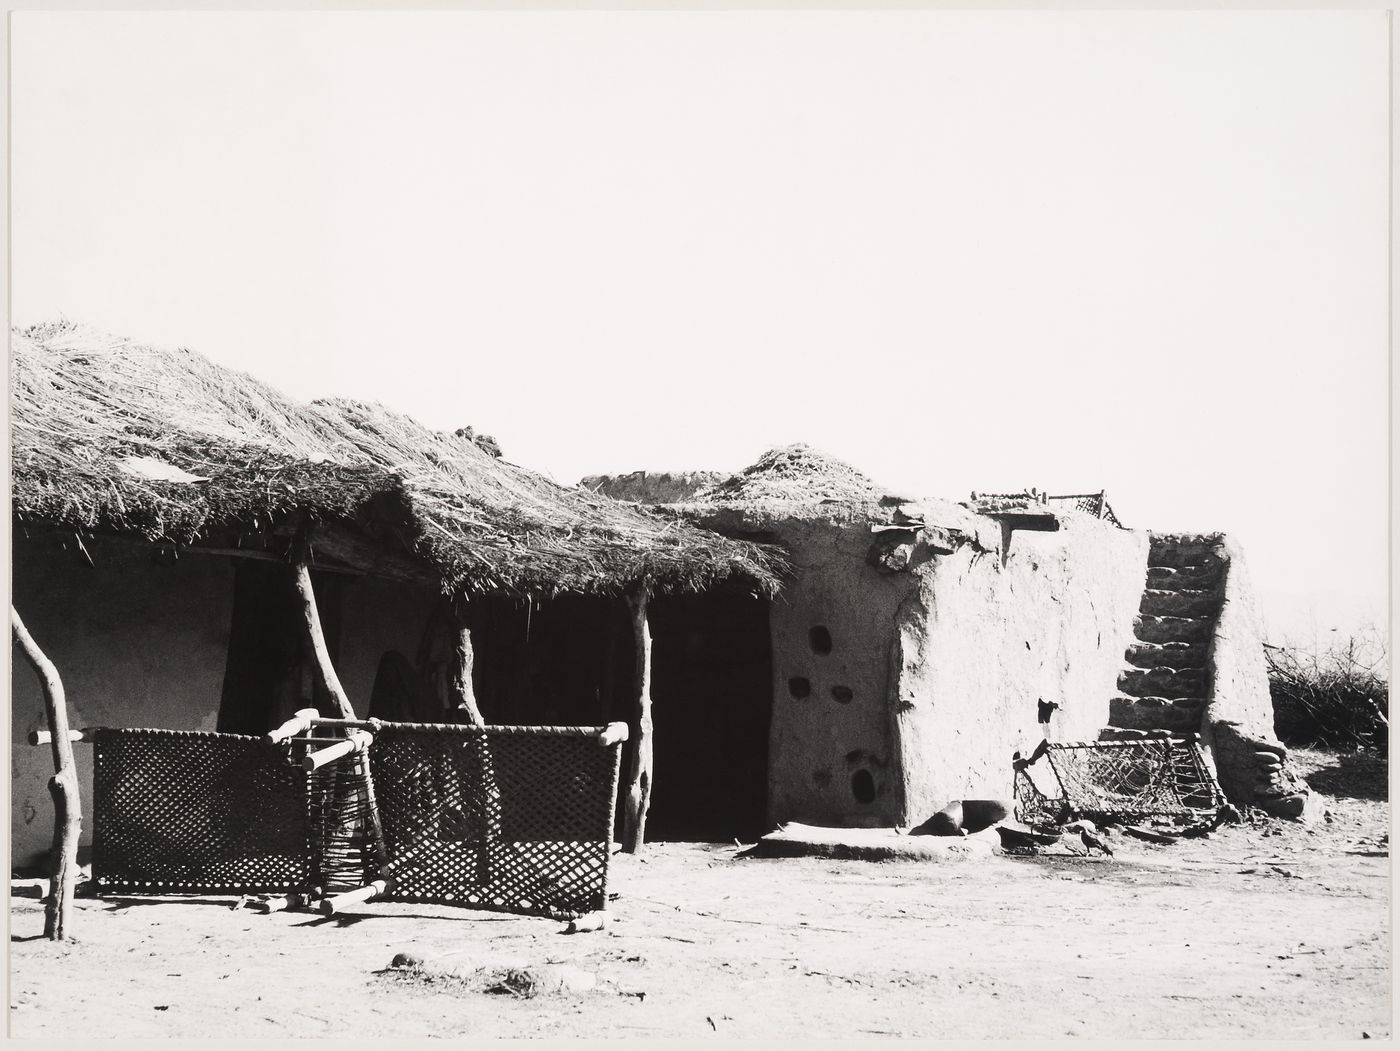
794 474
111 436
800 484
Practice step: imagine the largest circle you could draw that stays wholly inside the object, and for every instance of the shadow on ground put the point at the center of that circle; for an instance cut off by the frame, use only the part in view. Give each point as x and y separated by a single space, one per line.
1353 775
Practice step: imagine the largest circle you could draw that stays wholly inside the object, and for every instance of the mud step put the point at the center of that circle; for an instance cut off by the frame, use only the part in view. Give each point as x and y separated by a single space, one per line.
1176 554
1164 682
1182 578
1134 713
1178 655
1157 540
1149 628
1180 603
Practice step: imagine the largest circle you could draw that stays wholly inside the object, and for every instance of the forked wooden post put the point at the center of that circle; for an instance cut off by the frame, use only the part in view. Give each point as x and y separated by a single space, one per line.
325 672
463 696
68 812
311 621
634 815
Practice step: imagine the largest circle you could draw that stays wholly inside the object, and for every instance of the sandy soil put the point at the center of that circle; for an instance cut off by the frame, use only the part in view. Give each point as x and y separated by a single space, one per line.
1268 929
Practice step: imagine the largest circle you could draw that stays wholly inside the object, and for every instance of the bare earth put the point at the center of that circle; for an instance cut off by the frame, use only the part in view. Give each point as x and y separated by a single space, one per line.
1265 930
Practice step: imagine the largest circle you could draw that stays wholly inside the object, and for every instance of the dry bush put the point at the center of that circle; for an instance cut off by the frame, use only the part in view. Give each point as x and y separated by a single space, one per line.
1338 698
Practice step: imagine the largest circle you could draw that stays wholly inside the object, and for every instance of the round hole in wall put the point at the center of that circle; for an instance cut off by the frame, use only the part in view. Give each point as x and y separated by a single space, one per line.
820 639
863 786
842 694
799 686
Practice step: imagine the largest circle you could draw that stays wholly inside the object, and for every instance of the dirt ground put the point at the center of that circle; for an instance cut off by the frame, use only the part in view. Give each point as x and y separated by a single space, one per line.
1268 929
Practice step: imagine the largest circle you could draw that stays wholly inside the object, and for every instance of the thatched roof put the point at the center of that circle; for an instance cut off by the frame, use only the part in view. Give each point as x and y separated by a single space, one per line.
111 436
800 484
794 474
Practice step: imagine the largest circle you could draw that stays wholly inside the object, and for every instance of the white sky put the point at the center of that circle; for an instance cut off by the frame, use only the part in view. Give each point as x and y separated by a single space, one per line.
1140 251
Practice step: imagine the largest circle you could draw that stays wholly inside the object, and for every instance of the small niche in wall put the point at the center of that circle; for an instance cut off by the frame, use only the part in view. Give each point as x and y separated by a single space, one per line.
800 686
842 694
863 786
820 639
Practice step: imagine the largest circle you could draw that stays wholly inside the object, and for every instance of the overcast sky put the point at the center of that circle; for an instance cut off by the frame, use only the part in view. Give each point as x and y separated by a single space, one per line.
1139 251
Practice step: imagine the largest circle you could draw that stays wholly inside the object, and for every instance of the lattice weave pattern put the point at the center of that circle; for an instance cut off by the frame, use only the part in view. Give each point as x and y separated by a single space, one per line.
509 821
516 819
179 811
1120 780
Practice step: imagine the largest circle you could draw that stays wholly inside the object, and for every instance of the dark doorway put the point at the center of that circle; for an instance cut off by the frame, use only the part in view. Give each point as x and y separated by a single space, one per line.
269 674
711 707
561 661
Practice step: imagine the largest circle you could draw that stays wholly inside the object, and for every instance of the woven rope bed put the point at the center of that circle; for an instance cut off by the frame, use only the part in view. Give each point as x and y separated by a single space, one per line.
504 818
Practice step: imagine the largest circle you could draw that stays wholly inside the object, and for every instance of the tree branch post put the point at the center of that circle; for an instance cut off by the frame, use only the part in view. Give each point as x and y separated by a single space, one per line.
68 813
325 673
634 817
461 692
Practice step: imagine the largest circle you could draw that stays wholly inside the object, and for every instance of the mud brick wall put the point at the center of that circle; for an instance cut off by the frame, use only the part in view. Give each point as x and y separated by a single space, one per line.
1238 728
980 642
141 640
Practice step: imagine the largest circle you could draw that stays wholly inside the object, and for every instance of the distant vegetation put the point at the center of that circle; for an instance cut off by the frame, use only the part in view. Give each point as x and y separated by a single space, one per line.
1334 698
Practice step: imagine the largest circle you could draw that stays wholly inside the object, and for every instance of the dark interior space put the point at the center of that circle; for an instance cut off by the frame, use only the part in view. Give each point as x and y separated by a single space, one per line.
711 705
563 661
269 671
569 661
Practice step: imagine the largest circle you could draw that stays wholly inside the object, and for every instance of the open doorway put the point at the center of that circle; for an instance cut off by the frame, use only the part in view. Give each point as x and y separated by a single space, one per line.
269 672
711 708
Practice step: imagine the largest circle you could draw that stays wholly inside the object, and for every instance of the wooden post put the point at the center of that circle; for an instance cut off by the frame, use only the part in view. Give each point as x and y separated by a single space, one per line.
311 620
634 815
68 813
464 706
461 692
325 672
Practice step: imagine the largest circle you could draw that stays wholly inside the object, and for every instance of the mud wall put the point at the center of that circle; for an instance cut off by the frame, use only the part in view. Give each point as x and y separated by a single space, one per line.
978 642
137 640
831 756
1238 728
142 640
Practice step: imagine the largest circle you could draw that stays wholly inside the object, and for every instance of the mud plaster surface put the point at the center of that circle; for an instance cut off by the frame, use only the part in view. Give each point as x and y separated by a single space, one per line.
141 642
979 643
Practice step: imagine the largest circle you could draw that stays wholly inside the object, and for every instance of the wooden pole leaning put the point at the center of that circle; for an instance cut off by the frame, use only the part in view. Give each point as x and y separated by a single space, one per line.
325 673
68 813
639 777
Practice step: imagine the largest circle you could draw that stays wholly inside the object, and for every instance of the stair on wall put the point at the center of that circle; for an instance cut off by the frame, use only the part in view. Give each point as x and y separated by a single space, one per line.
1165 682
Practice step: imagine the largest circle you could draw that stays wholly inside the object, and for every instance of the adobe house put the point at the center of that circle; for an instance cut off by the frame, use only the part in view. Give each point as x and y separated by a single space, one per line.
915 638
165 510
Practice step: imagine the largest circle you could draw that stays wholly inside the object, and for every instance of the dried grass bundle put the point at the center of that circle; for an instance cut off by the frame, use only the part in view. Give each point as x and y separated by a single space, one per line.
88 409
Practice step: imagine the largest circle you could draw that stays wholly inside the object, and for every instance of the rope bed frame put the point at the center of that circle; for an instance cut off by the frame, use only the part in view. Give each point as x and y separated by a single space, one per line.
503 818
1158 776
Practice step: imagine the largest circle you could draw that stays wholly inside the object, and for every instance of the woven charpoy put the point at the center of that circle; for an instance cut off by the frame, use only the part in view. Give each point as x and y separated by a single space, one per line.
1156 777
179 812
515 819
512 819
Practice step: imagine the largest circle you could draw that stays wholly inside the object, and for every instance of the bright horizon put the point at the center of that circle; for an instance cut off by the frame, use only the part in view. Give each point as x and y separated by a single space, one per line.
1143 252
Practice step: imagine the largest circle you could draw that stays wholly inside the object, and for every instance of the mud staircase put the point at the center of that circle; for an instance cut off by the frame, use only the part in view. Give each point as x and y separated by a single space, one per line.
1166 681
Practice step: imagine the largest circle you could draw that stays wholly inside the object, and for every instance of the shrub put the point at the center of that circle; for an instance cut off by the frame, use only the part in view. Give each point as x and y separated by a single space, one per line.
1338 699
